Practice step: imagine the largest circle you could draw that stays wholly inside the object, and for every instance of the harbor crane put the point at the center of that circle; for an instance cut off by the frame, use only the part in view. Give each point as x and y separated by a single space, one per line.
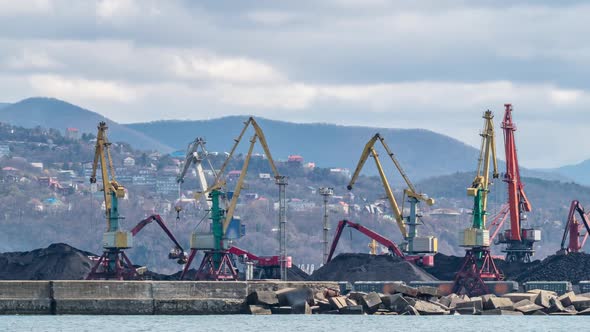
114 263
519 241
196 153
393 248
217 263
414 245
177 252
478 264
573 229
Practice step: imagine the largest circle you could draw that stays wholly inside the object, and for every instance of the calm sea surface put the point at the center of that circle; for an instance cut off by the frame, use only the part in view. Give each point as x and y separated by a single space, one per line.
335 323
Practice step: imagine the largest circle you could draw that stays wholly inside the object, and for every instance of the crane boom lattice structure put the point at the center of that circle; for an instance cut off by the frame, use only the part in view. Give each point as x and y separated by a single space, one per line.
195 155
218 263
478 264
518 240
414 245
113 264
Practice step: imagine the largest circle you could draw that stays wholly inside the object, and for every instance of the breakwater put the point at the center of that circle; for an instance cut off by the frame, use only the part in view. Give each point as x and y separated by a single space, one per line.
135 297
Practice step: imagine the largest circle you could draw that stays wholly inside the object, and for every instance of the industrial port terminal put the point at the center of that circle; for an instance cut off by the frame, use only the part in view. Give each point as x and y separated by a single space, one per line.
216 275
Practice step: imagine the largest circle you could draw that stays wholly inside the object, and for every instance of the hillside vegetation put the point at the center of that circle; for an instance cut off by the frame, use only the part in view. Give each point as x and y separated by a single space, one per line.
58 114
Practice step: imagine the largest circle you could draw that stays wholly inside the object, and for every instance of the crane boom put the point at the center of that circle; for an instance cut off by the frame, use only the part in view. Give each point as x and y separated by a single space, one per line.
480 187
194 156
517 199
234 201
237 141
411 191
391 246
572 228
111 188
394 206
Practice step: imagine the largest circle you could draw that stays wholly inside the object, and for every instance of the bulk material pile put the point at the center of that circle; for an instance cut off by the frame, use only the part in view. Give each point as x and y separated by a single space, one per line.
572 267
365 267
60 261
57 262
405 300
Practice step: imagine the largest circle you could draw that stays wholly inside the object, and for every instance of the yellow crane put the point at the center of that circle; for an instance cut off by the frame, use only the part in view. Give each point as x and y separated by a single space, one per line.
260 134
414 243
113 264
217 265
113 190
478 265
477 234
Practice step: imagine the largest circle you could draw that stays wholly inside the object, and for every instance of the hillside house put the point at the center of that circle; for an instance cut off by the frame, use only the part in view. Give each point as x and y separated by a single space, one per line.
233 175
299 205
309 166
295 161
129 162
72 133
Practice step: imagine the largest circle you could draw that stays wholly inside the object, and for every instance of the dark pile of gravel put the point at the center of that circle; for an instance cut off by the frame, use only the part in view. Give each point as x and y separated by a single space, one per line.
445 266
572 267
57 262
365 267
296 274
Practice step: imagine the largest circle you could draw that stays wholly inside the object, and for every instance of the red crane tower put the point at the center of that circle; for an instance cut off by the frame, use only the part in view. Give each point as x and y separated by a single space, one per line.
518 240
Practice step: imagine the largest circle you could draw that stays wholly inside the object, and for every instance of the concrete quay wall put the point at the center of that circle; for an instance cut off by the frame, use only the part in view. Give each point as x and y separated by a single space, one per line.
134 297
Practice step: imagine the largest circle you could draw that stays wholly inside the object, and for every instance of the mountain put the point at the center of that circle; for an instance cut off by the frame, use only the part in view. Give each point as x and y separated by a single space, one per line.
580 172
54 113
423 153
550 202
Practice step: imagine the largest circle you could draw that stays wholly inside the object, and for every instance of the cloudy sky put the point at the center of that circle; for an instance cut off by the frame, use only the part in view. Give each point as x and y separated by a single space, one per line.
406 64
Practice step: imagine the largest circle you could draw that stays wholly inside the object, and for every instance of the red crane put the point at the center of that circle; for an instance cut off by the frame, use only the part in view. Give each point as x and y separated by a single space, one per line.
391 246
519 242
265 267
573 228
175 253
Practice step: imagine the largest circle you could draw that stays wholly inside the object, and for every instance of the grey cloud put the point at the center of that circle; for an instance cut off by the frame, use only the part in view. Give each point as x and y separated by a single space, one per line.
310 48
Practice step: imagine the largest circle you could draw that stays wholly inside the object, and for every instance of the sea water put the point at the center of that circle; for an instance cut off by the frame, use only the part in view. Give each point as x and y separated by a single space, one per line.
301 323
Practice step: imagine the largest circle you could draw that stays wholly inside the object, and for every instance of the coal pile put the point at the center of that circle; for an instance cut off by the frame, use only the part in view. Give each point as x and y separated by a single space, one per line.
365 267
296 274
56 262
445 266
572 267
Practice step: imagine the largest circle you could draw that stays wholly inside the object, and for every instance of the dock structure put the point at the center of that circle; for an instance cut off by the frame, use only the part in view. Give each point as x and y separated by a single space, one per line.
109 297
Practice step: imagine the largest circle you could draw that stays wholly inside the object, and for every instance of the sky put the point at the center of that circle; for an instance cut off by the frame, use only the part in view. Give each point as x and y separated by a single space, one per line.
430 64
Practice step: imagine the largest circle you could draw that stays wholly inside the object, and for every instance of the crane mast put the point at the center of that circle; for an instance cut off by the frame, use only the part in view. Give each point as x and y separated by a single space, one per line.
519 241
113 264
216 264
478 265
112 190
407 225
480 187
